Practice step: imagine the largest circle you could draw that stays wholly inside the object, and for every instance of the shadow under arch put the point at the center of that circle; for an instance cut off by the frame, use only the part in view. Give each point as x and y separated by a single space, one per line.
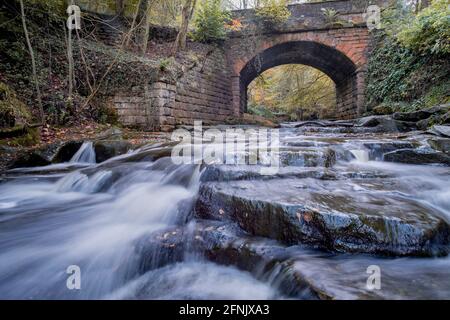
330 61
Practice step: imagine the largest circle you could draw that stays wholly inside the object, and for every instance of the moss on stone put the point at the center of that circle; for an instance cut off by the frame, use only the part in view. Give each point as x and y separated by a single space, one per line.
12 110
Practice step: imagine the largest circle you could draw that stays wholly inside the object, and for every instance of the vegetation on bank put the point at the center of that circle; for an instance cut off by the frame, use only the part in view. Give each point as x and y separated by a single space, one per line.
409 67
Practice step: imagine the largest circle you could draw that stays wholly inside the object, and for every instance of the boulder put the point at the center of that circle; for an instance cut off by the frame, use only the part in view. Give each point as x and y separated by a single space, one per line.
409 156
440 144
427 123
378 149
106 149
66 151
110 134
53 153
445 119
443 131
421 114
385 124
30 159
322 214
382 109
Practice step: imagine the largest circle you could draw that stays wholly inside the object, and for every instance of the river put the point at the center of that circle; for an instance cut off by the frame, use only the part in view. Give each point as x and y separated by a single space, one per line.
134 228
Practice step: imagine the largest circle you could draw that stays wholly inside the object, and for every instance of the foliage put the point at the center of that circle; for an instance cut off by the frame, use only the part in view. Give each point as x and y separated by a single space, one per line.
165 63
210 22
332 17
273 11
429 31
235 25
408 68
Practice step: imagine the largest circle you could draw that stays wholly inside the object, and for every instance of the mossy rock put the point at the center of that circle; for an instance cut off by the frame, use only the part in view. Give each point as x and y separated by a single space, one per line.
12 111
382 109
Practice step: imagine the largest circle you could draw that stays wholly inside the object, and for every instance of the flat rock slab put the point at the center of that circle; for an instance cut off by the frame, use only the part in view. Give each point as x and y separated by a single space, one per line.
409 156
296 271
329 215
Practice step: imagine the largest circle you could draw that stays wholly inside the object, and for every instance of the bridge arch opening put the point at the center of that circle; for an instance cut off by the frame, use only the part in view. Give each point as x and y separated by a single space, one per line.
328 60
292 92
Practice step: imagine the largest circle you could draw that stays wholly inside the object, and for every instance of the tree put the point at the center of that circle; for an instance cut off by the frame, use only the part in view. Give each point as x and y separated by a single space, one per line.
296 89
33 63
186 15
210 21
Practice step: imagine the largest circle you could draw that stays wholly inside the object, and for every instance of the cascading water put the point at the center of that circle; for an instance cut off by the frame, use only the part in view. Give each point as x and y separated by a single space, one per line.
93 219
86 154
129 224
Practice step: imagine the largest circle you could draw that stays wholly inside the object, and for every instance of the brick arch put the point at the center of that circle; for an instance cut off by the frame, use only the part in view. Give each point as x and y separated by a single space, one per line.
339 53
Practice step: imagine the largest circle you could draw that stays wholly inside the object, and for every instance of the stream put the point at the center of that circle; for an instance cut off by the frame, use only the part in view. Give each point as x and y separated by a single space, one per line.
140 227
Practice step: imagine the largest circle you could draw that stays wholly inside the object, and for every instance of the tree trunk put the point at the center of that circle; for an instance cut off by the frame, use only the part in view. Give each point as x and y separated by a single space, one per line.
120 7
146 33
133 24
33 63
186 15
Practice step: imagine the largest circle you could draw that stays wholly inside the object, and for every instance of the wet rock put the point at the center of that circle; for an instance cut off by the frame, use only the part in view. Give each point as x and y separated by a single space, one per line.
326 216
421 114
235 173
445 119
429 122
150 153
160 248
66 151
443 131
224 243
301 158
29 160
110 134
295 271
106 149
324 123
417 157
378 149
385 124
440 144
52 153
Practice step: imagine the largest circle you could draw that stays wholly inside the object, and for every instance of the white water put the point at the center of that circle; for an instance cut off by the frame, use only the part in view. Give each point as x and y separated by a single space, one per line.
86 154
94 221
361 155
95 216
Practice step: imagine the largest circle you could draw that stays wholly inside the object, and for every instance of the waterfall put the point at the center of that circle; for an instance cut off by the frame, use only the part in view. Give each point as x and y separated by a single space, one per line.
361 155
86 154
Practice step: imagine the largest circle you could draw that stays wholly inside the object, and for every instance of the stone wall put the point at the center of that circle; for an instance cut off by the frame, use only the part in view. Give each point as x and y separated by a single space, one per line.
201 93
148 107
204 93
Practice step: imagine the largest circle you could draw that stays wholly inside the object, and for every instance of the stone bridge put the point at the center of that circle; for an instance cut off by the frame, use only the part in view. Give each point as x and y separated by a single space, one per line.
337 48
217 90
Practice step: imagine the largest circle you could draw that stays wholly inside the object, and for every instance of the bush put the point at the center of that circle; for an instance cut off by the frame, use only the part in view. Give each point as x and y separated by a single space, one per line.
210 22
273 11
429 30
